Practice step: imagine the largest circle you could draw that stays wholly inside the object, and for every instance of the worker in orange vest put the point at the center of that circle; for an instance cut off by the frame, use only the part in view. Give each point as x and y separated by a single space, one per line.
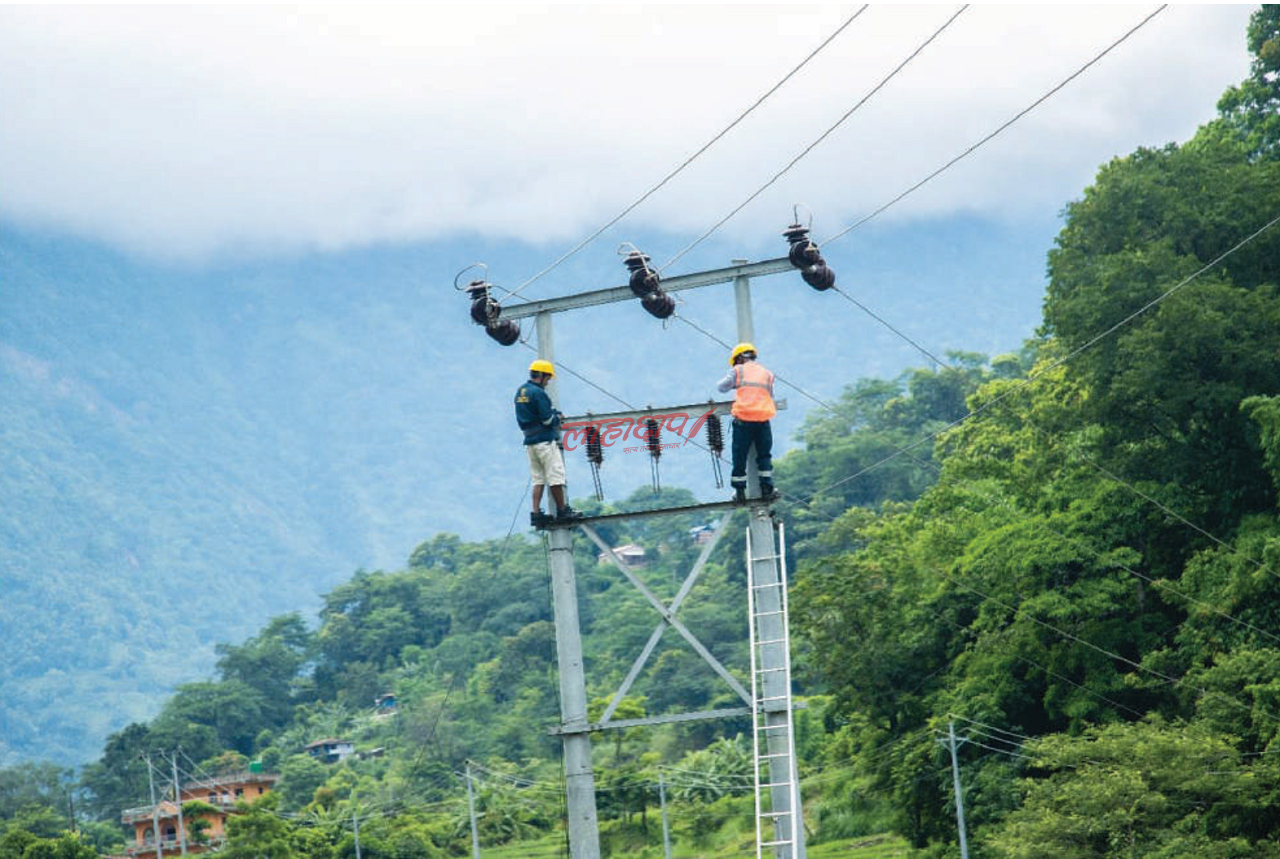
753 408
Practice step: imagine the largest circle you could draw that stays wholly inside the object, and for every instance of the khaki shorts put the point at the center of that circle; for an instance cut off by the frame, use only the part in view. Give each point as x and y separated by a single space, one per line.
546 463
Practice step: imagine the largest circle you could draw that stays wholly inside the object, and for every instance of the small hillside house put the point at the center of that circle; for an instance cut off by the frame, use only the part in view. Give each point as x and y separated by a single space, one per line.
175 832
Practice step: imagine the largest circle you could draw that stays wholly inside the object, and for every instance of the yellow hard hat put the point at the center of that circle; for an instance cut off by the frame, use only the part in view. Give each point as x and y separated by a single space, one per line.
541 366
739 350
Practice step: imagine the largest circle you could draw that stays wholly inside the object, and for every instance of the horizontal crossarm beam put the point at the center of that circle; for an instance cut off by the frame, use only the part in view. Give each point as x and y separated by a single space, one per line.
668 284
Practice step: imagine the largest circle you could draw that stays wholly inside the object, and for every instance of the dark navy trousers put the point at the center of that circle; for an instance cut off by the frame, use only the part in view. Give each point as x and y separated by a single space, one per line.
745 434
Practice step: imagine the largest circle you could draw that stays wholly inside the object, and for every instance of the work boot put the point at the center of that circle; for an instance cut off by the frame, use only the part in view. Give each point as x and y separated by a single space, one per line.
568 514
767 492
739 495
539 519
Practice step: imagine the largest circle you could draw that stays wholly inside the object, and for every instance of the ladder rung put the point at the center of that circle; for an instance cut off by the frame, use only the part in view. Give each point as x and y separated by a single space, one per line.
775 814
773 698
768 613
774 756
781 727
764 670
771 641
761 587
787 841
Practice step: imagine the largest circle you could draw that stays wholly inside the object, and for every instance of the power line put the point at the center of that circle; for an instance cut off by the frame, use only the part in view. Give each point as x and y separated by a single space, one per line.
647 194
884 81
1034 377
1109 654
867 310
999 130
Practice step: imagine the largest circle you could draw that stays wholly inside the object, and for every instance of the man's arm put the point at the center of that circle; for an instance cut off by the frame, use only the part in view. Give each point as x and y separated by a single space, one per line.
728 382
547 414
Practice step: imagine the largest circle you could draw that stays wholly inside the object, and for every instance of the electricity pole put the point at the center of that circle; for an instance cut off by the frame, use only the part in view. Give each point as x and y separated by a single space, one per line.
575 730
666 827
955 778
471 812
177 798
155 810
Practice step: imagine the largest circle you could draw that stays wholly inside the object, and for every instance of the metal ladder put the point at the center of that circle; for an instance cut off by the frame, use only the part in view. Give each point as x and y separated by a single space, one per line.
777 785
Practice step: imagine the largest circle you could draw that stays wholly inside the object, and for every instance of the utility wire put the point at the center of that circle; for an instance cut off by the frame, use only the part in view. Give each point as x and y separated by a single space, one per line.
1109 654
1034 377
815 143
999 130
1020 737
1166 509
867 310
647 194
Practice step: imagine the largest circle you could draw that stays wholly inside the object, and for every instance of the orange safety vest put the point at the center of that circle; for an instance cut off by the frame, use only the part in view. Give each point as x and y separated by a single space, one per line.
753 393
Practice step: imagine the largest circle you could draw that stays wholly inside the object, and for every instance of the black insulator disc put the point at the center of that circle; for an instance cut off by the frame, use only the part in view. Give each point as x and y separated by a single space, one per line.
715 434
484 310
595 450
795 233
653 437
804 254
819 276
636 261
506 332
644 281
659 304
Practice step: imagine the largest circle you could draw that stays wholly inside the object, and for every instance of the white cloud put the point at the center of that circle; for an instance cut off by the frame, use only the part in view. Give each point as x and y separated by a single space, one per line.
180 130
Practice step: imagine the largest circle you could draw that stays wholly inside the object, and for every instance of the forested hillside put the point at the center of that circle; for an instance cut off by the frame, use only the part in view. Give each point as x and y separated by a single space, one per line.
1069 556
185 453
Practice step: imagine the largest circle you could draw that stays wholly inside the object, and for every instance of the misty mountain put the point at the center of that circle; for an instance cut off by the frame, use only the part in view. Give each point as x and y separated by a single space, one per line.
189 450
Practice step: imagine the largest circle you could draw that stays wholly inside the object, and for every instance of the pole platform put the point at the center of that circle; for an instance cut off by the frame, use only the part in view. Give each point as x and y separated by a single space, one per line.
661 511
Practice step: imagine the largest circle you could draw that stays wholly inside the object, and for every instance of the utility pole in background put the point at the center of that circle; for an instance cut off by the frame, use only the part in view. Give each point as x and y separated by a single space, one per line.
177 798
955 778
471 812
666 827
155 810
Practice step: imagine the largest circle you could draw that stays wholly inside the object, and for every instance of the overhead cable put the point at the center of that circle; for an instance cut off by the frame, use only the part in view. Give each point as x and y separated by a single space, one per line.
820 138
1018 116
1035 377
647 194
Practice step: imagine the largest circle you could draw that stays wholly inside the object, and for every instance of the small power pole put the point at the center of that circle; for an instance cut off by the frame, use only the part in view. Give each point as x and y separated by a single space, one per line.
666 828
155 811
177 798
955 778
355 826
471 812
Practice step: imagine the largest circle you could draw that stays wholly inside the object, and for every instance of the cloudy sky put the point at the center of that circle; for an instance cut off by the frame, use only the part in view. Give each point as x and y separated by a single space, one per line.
189 132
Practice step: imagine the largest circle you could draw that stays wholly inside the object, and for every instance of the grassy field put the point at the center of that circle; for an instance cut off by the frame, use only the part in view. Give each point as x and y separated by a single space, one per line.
871 847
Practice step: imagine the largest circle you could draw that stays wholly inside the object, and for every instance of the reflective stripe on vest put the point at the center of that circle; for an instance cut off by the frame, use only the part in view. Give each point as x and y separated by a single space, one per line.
753 397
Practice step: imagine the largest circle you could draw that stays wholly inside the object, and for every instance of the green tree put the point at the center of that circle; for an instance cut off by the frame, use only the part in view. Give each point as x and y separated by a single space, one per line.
271 663
1142 789
118 779
1251 111
67 846
257 831
1171 324
300 777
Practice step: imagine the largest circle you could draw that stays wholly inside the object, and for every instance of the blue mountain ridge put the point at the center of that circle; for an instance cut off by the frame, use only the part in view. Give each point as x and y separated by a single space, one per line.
189 450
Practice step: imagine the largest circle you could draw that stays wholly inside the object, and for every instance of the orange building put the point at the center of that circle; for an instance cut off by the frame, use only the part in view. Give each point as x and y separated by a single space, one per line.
222 792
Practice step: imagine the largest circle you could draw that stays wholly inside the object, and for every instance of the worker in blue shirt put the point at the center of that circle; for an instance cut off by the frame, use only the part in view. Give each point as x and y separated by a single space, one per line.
540 422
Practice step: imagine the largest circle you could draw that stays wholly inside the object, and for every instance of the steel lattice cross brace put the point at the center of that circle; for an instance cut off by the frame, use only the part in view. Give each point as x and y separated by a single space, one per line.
669 619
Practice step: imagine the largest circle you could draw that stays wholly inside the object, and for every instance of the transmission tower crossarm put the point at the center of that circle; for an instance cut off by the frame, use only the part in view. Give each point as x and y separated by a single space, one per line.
669 284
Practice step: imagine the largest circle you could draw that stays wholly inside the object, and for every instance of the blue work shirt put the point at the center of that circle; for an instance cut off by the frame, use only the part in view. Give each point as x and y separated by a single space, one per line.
538 419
